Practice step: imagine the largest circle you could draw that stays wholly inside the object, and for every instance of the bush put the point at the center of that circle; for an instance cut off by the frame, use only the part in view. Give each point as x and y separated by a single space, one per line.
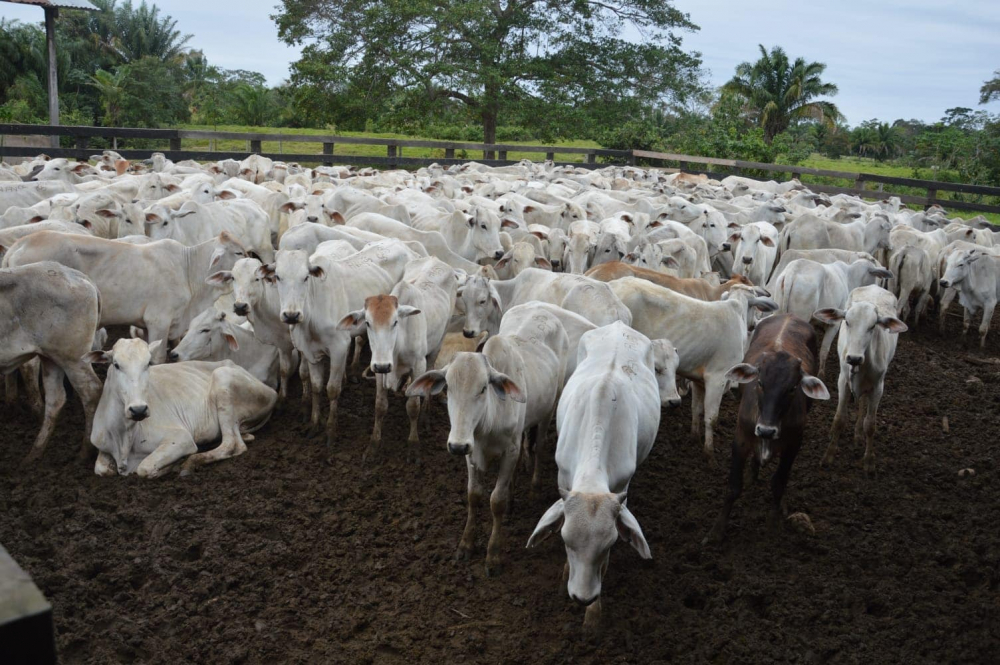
633 135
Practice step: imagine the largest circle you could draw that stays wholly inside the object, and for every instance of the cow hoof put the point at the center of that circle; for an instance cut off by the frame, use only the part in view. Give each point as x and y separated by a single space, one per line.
493 569
463 554
31 458
353 380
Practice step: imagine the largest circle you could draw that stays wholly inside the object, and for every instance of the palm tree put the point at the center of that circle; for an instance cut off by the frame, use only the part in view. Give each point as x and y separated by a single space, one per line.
111 88
252 105
777 92
141 32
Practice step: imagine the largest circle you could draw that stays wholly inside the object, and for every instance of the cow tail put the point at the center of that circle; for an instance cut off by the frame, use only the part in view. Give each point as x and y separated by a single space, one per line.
786 298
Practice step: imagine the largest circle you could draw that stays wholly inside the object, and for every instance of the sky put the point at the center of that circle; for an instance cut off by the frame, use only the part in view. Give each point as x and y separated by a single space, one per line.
890 58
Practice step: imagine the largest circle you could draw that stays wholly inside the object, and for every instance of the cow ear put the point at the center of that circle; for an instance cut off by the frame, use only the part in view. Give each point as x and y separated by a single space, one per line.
291 206
219 278
528 209
892 324
406 310
767 242
630 531
104 212
742 373
735 237
154 346
814 388
670 262
829 315
97 357
880 272
153 218
265 271
427 384
87 224
509 224
317 272
35 219
352 321
172 188
763 304
226 194
337 218
502 263
544 264
655 225
504 386
231 341
550 522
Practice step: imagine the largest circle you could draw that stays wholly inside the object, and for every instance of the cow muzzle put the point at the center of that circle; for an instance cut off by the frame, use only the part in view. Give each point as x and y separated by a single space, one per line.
586 602
468 334
138 412
766 431
944 283
381 368
747 260
854 361
674 402
459 448
291 318
241 308
498 254
725 247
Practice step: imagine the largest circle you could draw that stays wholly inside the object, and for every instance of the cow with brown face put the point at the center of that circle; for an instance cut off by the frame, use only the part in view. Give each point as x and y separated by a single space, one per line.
777 373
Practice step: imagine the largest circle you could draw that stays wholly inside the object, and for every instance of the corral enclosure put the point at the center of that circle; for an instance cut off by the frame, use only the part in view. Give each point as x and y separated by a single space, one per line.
295 552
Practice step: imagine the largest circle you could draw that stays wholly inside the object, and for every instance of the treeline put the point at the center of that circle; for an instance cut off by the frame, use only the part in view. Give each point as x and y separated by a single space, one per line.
469 70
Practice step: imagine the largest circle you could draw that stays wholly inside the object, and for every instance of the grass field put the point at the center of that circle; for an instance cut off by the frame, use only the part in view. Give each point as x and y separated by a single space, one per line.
299 147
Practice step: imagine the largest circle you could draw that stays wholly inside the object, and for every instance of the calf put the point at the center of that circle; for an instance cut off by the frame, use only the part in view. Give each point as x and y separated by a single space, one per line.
608 417
50 312
405 331
212 337
780 364
525 363
697 288
152 416
867 344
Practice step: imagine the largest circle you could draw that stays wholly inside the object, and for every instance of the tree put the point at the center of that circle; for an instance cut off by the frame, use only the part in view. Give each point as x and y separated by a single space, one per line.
252 105
777 92
493 55
990 89
111 88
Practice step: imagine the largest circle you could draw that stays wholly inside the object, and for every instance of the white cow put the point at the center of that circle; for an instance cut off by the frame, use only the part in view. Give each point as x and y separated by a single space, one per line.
405 331
50 312
867 344
704 358
152 416
975 274
494 398
813 232
27 194
160 286
608 417
755 248
196 223
914 276
212 337
817 255
806 286
316 293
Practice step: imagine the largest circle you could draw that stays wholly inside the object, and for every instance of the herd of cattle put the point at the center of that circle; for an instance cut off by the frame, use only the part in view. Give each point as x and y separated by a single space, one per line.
531 292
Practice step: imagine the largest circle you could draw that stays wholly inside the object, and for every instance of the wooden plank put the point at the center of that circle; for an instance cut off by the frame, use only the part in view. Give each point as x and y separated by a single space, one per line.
647 154
76 130
26 631
936 184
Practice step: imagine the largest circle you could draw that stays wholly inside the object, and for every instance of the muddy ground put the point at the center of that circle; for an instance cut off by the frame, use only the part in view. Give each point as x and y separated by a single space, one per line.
294 553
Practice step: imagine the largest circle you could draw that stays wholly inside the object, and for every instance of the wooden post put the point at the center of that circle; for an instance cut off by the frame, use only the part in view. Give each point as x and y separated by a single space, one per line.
51 14
550 156
931 195
391 153
255 147
796 175
683 166
631 157
175 144
502 155
859 184
328 150
591 158
449 153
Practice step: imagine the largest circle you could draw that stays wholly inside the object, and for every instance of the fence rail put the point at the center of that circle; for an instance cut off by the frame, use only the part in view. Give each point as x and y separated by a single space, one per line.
492 154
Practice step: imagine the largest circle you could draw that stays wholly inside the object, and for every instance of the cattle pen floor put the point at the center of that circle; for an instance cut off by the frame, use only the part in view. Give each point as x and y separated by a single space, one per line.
296 553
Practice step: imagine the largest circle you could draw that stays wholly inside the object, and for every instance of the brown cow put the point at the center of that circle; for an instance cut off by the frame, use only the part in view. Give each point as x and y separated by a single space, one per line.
779 365
697 288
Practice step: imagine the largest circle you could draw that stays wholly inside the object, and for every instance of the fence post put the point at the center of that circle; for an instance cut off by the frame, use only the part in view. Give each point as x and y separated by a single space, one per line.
859 184
449 153
931 196
631 157
683 166
175 144
255 146
391 154
591 158
550 156
796 175
328 150
502 155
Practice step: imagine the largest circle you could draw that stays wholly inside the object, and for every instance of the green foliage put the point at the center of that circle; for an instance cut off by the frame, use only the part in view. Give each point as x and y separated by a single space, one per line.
480 60
777 92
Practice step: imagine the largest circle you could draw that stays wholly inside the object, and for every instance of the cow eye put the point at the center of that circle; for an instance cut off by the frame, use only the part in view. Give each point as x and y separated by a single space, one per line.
482 302
206 330
395 323
306 278
483 227
484 389
239 253
115 363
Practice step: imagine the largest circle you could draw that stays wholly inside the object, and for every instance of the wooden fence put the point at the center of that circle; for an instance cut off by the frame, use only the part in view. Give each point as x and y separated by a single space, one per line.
492 154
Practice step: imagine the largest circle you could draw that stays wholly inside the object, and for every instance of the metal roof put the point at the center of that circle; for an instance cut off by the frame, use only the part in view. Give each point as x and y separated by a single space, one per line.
60 4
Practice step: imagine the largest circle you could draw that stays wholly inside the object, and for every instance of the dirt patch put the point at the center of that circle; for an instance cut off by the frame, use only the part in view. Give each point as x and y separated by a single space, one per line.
293 553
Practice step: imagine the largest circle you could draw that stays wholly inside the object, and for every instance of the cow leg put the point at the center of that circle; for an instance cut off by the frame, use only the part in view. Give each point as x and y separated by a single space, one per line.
359 345
475 492
840 418
778 484
381 408
30 374
903 304
923 303
334 386
718 532
984 327
592 618
714 387
86 384
304 374
946 298
697 409
10 389
175 445
55 399
859 423
316 390
535 436
873 402
829 333
498 506
285 362
413 413
105 465
159 330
